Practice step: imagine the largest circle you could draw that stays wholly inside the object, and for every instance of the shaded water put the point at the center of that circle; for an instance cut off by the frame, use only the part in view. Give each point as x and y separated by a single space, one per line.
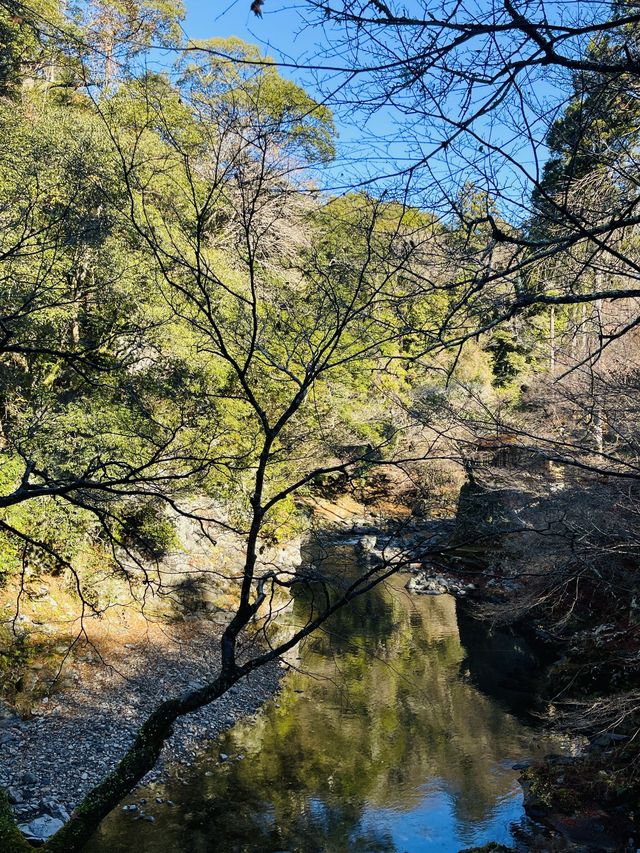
385 743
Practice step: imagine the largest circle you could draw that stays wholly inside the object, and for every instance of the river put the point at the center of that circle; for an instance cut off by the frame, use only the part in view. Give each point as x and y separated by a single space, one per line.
398 735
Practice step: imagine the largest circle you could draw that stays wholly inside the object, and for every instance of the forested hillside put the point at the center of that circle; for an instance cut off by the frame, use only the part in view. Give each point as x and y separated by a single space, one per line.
204 344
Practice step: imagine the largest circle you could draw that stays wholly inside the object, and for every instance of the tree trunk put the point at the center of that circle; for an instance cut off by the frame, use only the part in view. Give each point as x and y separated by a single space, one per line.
598 429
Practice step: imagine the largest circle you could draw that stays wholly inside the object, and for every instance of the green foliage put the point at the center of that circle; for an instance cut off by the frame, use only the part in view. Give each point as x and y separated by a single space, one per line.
146 530
508 355
171 295
227 78
15 654
24 40
181 325
113 33
595 138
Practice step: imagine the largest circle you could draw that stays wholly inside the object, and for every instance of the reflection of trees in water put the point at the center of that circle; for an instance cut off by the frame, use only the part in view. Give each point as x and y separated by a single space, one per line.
386 712
501 664
365 621
236 813
331 828
381 712
274 820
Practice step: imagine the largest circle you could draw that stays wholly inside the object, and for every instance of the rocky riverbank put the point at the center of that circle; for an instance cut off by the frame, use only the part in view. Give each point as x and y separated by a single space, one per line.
584 801
74 737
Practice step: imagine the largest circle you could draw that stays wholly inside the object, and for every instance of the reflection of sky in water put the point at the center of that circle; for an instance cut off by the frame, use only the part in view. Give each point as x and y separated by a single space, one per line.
389 747
433 824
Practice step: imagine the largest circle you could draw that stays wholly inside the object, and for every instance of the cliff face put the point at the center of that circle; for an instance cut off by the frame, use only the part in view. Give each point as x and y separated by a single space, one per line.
487 512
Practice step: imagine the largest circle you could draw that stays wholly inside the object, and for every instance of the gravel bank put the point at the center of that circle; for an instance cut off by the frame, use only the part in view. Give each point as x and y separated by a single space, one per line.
76 736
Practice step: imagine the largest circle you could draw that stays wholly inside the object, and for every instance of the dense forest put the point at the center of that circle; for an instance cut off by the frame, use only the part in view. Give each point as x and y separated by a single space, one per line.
212 342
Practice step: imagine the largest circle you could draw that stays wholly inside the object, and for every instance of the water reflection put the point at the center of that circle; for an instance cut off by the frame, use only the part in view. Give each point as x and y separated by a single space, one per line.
385 744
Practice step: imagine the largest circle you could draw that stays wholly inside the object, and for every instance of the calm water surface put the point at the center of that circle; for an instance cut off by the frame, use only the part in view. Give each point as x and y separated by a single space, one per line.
398 737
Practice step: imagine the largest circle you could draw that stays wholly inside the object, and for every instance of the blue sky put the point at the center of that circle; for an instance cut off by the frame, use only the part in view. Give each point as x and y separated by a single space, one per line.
364 146
371 146
277 31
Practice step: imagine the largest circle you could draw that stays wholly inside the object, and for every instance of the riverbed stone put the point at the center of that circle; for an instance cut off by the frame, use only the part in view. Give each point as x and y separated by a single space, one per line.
54 809
41 828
